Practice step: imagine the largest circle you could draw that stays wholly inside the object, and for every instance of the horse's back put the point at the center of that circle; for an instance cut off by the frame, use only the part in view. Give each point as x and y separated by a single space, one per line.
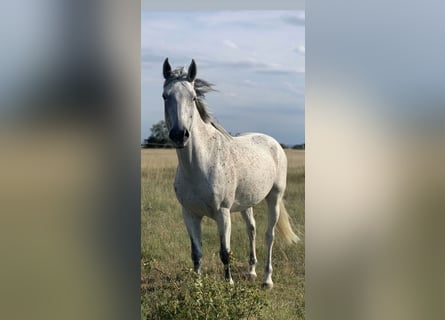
263 145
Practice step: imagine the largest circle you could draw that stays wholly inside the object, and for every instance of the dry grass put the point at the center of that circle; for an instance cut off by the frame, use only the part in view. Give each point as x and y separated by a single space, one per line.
166 250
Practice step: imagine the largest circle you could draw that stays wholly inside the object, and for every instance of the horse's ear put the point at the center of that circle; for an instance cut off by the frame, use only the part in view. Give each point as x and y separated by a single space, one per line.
191 74
166 69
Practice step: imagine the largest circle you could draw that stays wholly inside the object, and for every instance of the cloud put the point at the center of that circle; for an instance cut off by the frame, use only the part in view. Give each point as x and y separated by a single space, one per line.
298 19
292 87
151 57
249 83
264 41
252 66
230 44
300 50
281 71
241 19
247 54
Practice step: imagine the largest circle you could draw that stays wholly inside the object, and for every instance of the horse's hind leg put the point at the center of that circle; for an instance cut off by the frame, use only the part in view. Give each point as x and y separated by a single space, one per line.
193 224
274 212
251 232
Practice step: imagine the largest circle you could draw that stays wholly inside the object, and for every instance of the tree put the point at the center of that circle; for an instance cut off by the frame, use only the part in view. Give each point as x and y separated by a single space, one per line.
159 136
159 131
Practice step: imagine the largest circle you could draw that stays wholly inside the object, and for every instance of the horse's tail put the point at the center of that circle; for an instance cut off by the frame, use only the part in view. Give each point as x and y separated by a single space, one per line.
284 227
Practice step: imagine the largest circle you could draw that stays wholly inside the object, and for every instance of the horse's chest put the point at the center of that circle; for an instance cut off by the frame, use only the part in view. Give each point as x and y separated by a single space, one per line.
198 197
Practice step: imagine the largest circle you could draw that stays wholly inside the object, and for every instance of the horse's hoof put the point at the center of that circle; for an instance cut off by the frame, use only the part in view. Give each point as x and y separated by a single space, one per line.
231 282
267 286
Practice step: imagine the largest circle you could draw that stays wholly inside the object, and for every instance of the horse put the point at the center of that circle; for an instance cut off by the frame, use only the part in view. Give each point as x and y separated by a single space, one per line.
218 174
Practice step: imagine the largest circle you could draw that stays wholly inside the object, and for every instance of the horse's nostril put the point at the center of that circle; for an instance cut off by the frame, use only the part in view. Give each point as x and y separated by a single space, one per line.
178 135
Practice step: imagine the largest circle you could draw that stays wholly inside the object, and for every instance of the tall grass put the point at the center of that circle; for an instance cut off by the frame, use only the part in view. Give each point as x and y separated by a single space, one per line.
166 283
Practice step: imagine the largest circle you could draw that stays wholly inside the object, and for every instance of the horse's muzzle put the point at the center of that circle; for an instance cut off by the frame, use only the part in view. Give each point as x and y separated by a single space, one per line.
179 137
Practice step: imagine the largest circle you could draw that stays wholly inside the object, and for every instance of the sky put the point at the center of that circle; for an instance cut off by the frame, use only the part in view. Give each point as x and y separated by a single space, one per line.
256 59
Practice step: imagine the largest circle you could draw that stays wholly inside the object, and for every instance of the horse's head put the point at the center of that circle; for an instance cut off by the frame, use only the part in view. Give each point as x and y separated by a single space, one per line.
179 102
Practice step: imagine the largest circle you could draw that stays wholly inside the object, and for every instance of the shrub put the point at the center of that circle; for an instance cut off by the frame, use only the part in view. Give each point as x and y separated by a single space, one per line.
203 297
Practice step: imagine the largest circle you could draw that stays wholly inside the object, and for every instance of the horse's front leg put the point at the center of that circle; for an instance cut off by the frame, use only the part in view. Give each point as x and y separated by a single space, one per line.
224 228
193 224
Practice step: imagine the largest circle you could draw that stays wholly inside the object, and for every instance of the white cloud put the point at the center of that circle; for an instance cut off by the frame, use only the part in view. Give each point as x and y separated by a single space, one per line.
230 44
228 47
249 82
301 49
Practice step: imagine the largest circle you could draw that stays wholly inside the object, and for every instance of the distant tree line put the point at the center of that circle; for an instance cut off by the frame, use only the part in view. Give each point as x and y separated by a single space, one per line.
159 138
297 146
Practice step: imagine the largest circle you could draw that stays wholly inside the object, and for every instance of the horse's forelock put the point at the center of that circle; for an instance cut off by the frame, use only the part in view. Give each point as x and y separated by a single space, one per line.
178 74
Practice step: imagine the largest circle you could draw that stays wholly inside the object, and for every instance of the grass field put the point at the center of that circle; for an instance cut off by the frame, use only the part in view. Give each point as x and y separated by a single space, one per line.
165 247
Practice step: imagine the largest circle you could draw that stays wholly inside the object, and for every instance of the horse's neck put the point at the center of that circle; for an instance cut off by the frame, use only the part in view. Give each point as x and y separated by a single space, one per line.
196 156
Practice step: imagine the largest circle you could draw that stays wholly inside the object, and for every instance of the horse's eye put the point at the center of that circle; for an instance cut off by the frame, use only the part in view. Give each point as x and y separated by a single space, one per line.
194 98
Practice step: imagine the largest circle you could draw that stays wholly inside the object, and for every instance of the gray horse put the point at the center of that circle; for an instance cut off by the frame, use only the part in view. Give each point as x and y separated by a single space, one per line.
218 174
